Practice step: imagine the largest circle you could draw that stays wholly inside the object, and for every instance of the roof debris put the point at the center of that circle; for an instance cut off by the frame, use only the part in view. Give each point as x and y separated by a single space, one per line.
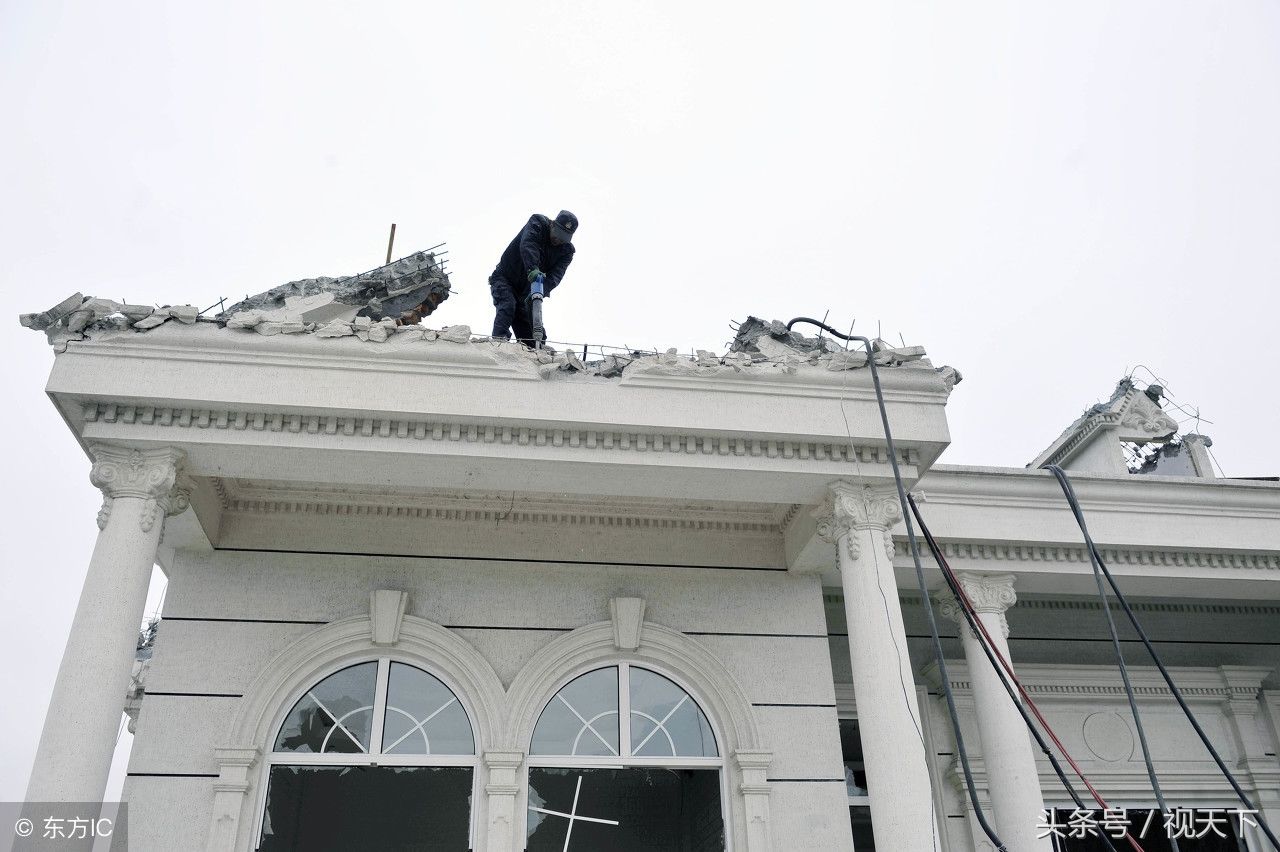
413 286
323 308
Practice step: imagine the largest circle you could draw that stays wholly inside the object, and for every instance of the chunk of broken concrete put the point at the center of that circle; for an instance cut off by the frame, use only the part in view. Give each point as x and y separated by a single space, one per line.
245 319
151 322
43 320
456 333
845 360
337 328
185 314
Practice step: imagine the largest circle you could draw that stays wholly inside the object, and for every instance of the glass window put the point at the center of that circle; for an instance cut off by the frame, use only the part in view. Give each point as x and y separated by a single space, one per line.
335 715
379 755
624 759
423 716
855 783
582 719
665 721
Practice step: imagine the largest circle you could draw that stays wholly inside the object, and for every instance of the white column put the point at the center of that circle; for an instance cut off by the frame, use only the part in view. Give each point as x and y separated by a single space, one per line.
857 519
79 737
1007 753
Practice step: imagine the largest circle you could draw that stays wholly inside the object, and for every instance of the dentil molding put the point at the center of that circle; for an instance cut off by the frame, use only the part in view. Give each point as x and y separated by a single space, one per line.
477 433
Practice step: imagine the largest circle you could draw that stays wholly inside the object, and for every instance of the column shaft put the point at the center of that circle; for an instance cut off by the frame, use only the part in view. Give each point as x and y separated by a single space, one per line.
1012 778
1007 753
902 812
79 737
73 759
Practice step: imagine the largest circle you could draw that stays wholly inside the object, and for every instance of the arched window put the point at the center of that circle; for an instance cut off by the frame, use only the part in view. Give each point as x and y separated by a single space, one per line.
378 755
623 758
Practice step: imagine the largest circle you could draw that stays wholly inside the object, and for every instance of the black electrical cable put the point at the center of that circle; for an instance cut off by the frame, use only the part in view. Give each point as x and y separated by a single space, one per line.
1115 641
1096 556
971 619
924 591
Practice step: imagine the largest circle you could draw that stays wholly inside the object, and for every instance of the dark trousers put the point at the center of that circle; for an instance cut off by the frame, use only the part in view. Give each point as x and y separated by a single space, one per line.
512 312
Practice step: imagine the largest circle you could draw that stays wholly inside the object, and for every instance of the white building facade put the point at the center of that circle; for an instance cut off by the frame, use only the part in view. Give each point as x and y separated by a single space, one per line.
435 592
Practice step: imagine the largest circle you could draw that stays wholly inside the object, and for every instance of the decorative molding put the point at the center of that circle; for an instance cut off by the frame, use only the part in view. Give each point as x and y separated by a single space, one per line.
1217 685
493 508
386 613
1005 551
628 622
153 476
478 433
1086 604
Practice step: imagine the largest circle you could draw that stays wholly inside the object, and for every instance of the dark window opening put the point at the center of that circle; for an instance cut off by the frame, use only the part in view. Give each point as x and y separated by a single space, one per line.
372 808
625 810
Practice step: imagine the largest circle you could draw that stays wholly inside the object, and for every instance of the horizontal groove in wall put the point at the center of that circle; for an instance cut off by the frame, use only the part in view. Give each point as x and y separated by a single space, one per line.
240 620
172 774
198 694
772 704
529 559
758 635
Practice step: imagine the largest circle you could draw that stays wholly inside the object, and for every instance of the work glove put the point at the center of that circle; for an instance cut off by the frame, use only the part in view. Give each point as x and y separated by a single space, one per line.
534 273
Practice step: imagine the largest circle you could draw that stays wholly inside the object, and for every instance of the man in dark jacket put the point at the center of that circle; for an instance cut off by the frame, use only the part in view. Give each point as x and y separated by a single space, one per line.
543 247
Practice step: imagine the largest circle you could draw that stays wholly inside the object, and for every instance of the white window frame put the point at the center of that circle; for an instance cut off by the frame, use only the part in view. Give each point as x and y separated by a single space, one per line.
283 758
625 760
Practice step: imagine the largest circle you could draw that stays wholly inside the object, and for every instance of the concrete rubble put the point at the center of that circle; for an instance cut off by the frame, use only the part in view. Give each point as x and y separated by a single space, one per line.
759 347
415 284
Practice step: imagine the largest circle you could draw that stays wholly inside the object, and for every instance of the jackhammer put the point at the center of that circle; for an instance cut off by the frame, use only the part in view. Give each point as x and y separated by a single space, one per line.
536 294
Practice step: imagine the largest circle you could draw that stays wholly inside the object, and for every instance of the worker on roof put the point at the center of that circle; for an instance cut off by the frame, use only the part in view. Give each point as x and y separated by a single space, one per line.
543 247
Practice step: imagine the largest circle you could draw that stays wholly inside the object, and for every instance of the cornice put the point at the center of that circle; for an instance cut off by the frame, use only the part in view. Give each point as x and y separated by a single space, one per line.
1087 605
1221 684
988 552
642 515
401 428
1021 488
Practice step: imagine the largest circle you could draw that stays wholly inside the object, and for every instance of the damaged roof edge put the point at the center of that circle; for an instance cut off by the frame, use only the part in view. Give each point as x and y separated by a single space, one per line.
759 346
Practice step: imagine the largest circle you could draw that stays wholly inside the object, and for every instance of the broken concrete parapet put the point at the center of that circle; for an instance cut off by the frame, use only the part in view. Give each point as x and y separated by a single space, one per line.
950 377
456 333
152 321
417 283
336 328
844 360
245 319
185 314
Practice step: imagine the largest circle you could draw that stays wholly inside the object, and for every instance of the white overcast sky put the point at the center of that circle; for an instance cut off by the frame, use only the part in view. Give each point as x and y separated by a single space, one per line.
1044 195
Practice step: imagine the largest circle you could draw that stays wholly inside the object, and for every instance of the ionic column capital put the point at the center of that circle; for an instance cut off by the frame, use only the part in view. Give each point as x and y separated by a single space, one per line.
989 593
153 476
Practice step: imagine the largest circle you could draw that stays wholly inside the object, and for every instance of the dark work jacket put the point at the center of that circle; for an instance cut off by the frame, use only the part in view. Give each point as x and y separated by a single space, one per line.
532 249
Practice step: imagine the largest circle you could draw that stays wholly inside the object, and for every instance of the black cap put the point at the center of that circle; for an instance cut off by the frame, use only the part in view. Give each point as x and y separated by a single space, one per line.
564 226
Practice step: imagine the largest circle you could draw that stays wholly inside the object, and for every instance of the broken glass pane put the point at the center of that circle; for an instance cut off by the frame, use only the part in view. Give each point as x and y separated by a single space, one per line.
665 720
335 715
582 719
423 716
625 810
340 808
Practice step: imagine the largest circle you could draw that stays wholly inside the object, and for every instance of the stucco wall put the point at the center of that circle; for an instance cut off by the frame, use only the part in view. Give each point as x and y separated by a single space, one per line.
227 614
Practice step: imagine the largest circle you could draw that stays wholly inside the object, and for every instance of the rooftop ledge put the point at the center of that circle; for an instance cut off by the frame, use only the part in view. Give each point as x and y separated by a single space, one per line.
768 426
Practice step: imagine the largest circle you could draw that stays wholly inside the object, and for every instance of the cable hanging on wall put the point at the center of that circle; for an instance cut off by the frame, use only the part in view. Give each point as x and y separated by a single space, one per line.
1101 571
